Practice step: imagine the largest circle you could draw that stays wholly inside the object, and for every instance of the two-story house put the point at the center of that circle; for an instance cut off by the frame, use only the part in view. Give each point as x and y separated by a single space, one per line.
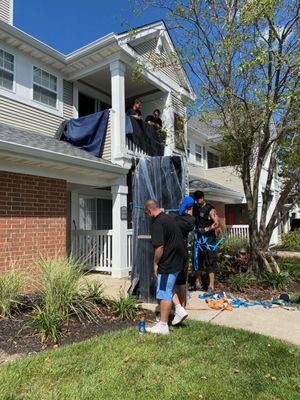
221 184
54 196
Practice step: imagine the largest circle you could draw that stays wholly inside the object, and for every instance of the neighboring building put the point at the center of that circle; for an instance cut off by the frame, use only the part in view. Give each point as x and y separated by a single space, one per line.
222 185
54 196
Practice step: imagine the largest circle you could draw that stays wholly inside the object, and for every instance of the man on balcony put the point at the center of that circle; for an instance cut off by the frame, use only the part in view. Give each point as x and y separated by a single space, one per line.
207 222
135 112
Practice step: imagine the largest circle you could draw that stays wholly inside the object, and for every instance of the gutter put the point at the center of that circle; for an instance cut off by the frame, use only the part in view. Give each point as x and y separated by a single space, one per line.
60 157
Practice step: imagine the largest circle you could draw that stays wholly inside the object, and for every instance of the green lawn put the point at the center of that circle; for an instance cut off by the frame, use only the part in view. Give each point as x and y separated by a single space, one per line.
198 361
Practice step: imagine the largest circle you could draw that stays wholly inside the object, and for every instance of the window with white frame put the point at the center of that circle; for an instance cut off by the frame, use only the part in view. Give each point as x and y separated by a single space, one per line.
213 160
95 214
198 152
44 87
6 70
188 148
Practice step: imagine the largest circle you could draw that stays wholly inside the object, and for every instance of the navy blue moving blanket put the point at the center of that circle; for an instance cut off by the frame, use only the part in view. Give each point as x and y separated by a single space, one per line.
87 132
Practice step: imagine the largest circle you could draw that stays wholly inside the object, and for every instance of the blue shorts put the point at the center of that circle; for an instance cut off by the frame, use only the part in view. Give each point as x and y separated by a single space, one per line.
165 286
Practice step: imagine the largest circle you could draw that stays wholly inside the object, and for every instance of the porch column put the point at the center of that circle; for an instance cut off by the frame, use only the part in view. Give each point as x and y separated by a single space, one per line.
117 69
169 125
119 241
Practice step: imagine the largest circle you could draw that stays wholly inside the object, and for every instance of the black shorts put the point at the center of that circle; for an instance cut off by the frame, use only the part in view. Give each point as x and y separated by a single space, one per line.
181 278
208 258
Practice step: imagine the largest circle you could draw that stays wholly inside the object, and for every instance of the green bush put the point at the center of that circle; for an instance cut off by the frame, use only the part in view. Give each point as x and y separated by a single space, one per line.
292 266
10 286
291 240
62 298
232 246
125 307
94 292
48 322
295 298
277 281
241 281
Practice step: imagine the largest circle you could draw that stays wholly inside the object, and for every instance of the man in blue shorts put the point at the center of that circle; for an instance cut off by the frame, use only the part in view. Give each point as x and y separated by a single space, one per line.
169 259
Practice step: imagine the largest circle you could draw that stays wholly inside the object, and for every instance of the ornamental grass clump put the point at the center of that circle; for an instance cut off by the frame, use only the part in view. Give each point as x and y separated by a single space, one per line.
126 306
11 282
61 297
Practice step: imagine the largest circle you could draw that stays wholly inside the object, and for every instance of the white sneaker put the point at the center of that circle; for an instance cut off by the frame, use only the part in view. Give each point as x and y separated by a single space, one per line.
158 329
180 315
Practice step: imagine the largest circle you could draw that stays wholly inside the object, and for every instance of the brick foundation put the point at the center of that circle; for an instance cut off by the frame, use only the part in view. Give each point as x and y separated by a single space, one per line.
32 218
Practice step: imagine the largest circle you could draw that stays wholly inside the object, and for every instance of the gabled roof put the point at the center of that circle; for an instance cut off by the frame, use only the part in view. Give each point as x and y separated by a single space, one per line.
207 129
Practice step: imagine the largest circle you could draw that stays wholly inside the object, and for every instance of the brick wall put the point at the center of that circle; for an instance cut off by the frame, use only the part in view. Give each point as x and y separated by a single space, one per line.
32 218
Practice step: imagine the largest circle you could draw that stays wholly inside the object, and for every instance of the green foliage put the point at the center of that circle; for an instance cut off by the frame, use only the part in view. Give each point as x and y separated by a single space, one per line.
295 298
10 285
233 246
291 240
48 321
277 281
292 266
125 307
94 292
62 298
242 281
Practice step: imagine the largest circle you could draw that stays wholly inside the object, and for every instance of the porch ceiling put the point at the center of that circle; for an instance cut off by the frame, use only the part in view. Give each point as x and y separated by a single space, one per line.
101 80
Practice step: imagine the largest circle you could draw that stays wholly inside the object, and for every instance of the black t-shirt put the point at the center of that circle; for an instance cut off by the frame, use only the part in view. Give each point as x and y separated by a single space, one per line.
186 224
131 111
203 219
165 232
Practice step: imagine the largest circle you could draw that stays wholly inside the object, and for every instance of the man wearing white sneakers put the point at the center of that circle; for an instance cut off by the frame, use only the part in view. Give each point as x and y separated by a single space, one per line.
169 259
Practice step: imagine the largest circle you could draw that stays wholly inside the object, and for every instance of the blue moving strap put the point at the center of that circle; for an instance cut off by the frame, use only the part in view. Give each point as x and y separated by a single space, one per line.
200 243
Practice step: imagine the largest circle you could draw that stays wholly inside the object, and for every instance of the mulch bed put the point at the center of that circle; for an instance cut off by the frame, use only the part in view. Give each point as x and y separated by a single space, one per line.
17 336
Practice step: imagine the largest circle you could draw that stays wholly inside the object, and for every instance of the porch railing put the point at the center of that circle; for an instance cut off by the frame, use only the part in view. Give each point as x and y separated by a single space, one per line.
238 231
94 249
133 148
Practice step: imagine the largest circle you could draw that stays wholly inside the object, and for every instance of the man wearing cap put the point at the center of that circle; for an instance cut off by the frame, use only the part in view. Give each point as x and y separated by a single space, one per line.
207 221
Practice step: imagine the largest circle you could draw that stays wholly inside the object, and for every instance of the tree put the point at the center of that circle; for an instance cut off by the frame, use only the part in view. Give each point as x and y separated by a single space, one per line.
243 57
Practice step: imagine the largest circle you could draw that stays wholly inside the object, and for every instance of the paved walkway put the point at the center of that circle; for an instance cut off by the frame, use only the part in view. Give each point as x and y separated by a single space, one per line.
276 322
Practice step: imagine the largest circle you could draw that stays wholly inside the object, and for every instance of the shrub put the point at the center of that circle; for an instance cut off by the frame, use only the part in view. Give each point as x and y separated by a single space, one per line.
292 266
10 286
61 297
277 281
125 307
233 246
241 281
295 298
48 322
291 240
94 292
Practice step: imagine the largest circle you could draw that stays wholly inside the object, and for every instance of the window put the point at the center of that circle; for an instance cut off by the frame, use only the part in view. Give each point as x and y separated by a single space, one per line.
44 87
6 70
188 148
95 214
213 161
198 153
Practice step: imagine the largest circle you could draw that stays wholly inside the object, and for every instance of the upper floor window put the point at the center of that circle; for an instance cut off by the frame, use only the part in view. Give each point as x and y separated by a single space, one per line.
198 153
213 161
6 70
44 87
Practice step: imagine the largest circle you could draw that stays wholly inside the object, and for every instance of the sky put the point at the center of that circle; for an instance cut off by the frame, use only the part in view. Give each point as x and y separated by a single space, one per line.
67 25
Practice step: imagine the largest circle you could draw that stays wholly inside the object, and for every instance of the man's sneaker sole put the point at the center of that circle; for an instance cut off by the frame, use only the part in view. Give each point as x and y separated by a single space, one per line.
180 322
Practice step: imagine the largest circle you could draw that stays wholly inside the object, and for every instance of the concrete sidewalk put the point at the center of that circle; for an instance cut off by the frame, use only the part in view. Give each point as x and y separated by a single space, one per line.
275 322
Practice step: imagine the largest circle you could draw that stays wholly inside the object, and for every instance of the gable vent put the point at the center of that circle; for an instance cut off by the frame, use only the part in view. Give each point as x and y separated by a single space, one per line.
6 11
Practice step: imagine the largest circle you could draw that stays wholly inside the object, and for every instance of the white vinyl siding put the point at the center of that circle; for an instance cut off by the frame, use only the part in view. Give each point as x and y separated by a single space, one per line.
68 99
44 87
6 11
30 118
7 67
106 154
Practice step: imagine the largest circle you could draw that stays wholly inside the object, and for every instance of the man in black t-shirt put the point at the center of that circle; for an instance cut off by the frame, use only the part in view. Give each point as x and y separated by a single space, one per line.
154 119
169 259
135 112
207 221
